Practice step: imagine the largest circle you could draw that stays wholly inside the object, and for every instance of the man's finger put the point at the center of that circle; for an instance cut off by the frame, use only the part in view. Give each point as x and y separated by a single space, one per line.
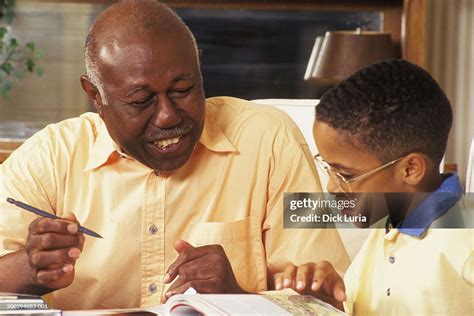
45 277
176 284
201 286
182 245
72 228
43 259
198 269
47 225
185 256
51 241
82 239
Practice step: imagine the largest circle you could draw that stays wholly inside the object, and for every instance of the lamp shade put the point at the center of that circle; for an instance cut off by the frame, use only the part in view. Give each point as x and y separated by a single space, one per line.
341 53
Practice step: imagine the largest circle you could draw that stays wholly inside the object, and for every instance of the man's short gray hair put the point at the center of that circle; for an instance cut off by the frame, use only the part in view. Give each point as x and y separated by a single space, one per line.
92 70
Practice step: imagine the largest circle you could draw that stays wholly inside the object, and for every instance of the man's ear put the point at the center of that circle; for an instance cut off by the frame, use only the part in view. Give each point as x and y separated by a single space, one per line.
92 92
413 168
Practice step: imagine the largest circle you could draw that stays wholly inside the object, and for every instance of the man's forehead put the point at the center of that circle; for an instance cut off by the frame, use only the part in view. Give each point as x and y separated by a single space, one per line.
140 44
113 49
138 63
107 52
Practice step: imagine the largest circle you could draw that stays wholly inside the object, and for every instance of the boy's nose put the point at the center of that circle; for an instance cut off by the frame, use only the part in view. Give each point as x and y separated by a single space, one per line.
332 187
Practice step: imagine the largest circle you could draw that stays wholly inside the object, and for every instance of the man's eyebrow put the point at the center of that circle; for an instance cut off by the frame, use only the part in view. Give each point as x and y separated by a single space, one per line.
178 78
183 77
136 90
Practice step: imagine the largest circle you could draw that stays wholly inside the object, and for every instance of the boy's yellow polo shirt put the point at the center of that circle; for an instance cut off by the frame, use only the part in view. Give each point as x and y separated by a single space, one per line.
416 271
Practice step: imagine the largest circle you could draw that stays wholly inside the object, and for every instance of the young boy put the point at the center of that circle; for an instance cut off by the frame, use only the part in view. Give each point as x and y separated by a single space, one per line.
385 129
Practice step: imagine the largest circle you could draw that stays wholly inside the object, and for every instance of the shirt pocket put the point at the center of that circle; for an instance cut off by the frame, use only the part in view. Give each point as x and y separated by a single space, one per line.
242 245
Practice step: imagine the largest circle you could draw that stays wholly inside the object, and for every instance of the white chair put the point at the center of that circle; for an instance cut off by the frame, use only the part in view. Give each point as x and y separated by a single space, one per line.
302 113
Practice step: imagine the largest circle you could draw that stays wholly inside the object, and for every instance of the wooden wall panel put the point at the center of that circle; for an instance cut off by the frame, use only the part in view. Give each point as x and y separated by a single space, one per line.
414 31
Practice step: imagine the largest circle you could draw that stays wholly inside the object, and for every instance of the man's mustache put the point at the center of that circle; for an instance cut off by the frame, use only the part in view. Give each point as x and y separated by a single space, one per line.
166 133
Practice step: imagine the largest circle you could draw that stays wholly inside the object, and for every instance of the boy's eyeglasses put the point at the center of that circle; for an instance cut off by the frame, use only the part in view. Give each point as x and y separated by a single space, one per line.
343 182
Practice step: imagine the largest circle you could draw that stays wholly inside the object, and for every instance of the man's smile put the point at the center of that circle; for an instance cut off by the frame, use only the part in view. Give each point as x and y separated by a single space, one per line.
167 142
175 143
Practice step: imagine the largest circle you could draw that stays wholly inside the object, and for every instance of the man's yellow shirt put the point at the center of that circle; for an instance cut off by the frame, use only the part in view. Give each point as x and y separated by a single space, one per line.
230 193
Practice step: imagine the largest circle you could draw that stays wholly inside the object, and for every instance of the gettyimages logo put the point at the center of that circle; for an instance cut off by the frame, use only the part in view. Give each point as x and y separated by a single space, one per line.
375 210
317 210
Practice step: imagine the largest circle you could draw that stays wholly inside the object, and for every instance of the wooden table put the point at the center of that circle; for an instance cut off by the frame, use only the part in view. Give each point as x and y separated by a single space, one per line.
7 146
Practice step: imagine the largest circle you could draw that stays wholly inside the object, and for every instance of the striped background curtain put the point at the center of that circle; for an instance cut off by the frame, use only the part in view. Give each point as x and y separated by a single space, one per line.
450 59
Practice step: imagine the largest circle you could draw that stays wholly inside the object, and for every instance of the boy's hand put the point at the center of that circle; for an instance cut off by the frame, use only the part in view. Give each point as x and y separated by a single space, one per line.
317 279
52 247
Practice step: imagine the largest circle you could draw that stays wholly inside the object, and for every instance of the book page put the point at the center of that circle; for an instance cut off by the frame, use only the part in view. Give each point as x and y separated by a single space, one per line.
304 305
222 304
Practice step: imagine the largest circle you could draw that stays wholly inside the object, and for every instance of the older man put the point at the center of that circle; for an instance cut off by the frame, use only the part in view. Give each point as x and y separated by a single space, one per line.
185 191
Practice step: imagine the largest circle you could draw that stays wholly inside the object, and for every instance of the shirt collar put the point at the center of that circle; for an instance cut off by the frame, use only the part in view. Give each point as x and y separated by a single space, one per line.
433 207
105 151
213 138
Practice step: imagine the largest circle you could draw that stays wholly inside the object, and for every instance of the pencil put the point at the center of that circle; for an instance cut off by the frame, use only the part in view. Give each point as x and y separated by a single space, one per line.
49 215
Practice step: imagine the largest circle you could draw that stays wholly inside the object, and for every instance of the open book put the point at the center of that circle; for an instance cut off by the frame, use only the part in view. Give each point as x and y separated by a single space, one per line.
248 305
222 304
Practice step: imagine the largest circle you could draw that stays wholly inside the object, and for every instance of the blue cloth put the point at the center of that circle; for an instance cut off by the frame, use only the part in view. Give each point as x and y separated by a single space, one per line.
433 207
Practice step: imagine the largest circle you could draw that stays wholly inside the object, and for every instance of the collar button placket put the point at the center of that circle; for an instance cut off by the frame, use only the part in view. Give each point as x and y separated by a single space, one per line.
153 239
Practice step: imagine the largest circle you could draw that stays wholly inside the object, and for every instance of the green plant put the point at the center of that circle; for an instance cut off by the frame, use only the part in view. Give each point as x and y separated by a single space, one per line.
16 60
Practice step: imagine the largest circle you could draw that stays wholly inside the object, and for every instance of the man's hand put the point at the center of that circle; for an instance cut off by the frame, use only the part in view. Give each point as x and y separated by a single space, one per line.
52 247
206 269
317 279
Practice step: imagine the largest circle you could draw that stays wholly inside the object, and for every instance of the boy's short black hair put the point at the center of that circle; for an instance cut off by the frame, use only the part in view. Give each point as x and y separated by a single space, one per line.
390 108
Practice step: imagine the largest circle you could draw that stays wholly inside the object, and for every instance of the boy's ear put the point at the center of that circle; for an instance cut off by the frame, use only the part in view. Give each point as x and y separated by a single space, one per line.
92 92
413 168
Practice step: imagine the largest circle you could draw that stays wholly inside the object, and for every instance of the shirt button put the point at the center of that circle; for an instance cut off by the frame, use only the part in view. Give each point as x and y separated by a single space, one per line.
152 288
388 292
153 229
391 259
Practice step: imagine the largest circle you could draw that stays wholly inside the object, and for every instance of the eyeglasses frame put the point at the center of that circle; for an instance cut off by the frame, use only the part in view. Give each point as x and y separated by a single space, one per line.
347 182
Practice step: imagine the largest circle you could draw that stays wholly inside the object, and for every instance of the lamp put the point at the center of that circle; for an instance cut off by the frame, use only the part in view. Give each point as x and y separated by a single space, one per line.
339 54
